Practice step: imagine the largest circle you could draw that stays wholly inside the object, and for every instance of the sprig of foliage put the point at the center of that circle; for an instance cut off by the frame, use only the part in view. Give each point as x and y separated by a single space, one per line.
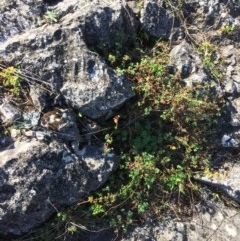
208 51
50 17
9 78
227 29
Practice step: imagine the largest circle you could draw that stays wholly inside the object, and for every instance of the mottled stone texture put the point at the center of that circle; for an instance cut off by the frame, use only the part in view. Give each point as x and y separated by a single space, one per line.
38 177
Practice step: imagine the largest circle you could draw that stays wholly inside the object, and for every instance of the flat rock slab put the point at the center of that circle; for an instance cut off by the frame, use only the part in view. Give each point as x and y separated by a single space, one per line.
225 179
212 222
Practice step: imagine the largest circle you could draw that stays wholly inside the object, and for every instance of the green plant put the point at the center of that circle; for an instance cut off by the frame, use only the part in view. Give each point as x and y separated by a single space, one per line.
163 141
9 78
62 216
177 178
139 4
50 17
227 29
111 58
208 51
172 4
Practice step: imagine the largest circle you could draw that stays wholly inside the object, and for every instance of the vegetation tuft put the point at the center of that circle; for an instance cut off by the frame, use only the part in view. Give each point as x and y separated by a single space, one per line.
10 80
49 18
164 137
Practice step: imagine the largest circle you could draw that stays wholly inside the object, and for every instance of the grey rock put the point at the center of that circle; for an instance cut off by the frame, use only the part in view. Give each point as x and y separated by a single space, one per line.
235 112
9 113
188 64
5 141
31 119
156 20
96 90
230 88
212 14
227 51
51 167
214 222
211 222
37 177
62 123
108 24
225 179
229 141
42 135
38 96
103 23
58 55
18 15
236 76
229 57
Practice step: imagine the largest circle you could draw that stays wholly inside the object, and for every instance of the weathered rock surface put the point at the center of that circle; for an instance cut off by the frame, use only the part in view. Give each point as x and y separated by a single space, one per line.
225 178
213 222
18 15
209 16
38 177
188 64
45 162
57 54
9 112
156 20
